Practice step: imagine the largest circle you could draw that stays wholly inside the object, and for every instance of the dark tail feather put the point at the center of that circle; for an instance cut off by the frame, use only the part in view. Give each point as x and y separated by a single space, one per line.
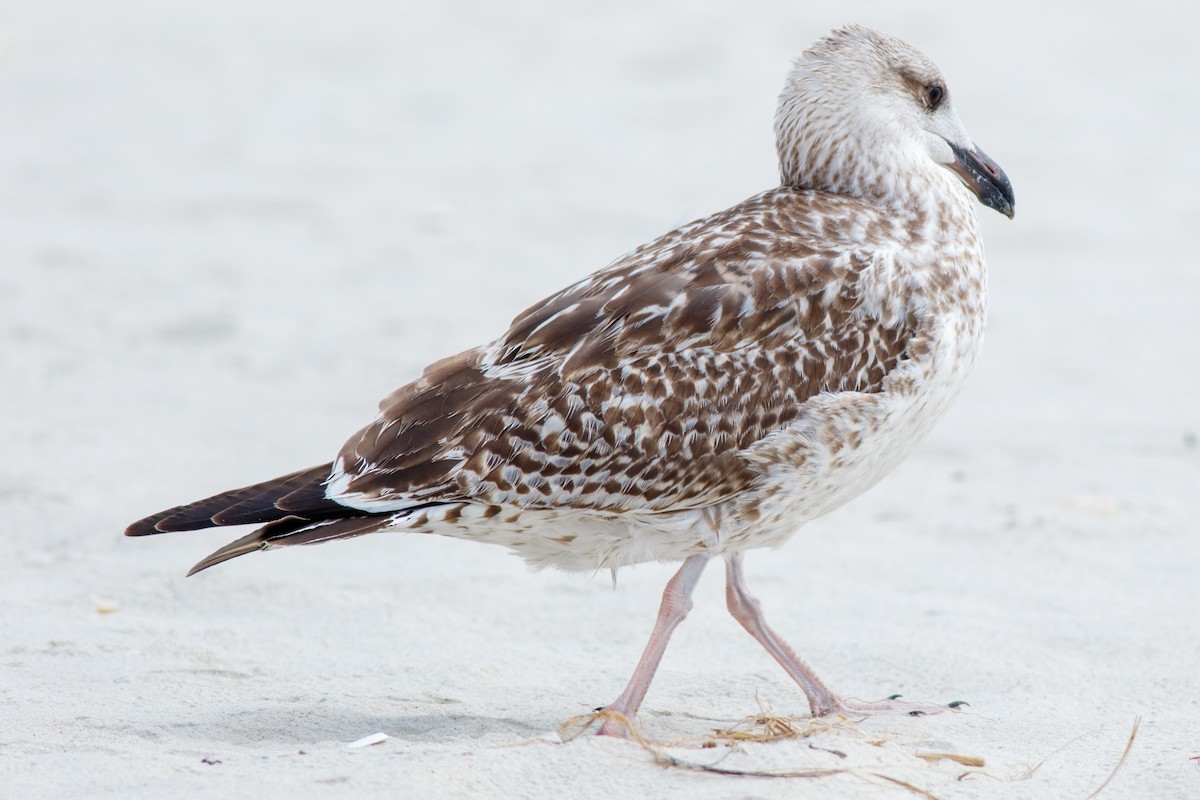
295 530
298 494
294 508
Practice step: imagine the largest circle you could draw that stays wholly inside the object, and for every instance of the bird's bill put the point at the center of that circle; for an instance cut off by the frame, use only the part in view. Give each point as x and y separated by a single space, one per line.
984 178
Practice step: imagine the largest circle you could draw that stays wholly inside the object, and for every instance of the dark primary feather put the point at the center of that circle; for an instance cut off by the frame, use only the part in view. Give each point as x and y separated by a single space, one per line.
293 505
301 493
294 530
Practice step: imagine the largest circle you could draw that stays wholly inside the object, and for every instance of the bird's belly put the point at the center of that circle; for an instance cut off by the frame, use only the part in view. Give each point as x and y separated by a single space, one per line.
573 539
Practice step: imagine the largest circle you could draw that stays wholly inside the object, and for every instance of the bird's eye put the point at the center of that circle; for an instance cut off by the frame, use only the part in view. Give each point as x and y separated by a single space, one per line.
934 95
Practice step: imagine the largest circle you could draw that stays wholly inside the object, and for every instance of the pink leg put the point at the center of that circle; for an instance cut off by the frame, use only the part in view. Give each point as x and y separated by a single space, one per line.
747 610
676 603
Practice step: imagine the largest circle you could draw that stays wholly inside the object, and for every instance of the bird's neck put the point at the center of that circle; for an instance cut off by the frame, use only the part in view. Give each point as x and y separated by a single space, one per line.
921 196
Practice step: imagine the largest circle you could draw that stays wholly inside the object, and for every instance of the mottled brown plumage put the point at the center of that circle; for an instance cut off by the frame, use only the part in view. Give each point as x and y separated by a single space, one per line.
641 386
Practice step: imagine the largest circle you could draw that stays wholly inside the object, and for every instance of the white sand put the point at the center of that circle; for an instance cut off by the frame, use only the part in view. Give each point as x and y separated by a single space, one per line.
224 234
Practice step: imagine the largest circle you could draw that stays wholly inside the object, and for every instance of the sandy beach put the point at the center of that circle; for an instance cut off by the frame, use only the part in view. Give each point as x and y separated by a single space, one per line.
228 229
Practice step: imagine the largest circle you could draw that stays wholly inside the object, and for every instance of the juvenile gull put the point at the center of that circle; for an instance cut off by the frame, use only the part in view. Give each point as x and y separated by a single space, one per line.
711 391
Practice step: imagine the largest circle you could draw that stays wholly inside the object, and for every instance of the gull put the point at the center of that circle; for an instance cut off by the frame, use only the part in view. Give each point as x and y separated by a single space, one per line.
707 393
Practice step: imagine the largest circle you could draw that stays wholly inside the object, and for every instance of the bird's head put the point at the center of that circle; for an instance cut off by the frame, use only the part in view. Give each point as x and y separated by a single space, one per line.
863 113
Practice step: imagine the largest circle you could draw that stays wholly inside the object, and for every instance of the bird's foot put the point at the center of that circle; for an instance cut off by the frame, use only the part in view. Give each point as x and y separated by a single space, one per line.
892 706
616 724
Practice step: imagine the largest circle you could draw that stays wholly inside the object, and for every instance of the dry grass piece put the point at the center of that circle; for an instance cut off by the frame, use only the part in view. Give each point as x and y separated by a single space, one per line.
767 727
775 728
966 761
1137 722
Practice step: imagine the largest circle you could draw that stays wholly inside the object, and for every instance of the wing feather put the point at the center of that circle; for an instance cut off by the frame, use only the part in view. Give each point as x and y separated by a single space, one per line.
642 385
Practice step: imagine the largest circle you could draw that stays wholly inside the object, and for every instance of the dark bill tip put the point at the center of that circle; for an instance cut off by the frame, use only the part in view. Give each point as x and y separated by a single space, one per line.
984 178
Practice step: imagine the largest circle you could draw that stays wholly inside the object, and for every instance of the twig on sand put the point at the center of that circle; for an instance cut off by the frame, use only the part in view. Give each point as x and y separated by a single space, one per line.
1137 722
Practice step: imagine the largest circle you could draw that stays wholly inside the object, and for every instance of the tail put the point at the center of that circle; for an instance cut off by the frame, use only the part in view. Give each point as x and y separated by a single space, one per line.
294 508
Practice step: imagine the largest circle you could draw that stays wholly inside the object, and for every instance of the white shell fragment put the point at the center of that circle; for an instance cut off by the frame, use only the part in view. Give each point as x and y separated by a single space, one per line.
367 741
